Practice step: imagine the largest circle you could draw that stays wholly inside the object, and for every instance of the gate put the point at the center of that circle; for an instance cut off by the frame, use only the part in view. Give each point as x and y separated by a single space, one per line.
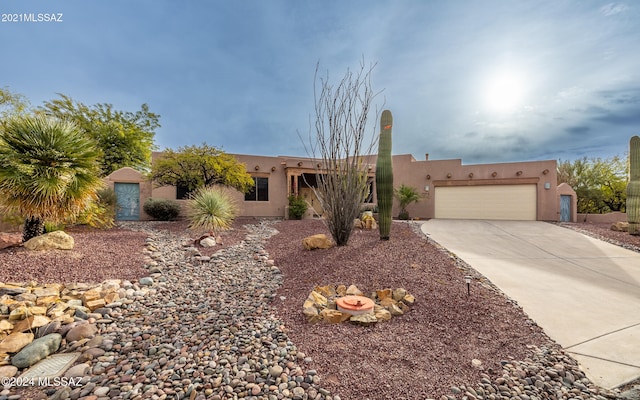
127 201
565 208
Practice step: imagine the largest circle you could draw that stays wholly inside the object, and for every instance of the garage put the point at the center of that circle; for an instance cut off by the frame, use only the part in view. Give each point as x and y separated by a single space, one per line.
507 202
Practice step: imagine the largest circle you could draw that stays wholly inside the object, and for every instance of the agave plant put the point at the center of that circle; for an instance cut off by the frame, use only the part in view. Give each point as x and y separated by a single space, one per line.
212 209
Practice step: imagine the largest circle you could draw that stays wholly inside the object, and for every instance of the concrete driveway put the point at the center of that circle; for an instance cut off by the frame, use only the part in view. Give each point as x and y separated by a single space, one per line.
585 293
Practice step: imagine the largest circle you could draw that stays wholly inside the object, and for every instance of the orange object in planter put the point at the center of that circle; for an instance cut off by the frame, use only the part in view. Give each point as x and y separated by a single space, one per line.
355 305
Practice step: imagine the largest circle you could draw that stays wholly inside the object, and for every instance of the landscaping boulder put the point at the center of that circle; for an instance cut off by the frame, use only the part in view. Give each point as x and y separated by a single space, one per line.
320 241
15 342
620 226
9 240
56 240
209 241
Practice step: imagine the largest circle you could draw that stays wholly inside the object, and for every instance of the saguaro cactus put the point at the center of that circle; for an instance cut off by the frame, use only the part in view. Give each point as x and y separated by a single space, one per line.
633 187
384 175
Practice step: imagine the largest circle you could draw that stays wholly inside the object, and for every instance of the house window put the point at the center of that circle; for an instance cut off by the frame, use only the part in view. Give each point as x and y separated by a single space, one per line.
259 191
182 192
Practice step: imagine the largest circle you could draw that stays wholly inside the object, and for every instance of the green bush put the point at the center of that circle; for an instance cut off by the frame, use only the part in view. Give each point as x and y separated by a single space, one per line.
297 207
162 209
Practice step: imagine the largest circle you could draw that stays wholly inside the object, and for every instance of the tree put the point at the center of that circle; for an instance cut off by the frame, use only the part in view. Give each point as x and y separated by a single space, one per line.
341 113
125 138
599 183
192 167
406 195
12 104
47 171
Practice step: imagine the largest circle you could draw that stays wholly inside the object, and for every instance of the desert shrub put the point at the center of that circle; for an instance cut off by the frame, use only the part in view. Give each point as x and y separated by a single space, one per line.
211 208
53 226
101 213
162 209
297 207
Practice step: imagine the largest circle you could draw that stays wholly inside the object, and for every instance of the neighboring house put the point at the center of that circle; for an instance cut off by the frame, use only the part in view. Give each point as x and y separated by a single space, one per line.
449 189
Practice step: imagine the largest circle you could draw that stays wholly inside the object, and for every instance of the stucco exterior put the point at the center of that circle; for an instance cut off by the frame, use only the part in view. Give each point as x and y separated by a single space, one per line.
293 175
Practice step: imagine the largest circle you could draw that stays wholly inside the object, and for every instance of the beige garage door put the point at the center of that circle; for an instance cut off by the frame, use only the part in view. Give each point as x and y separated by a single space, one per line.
514 202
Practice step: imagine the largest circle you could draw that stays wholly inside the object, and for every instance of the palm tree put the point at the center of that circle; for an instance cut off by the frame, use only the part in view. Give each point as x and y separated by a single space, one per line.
406 195
48 170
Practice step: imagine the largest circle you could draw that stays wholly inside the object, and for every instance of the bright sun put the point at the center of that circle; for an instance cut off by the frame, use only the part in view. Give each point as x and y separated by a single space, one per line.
504 92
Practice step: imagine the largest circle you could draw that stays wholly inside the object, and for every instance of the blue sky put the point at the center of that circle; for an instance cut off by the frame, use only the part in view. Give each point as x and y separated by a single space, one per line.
485 81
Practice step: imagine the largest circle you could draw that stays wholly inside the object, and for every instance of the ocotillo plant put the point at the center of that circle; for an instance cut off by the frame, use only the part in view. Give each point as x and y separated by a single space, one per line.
633 187
384 175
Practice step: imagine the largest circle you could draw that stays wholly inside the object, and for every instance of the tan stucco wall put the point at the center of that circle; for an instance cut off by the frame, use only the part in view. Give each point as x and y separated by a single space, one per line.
424 175
608 218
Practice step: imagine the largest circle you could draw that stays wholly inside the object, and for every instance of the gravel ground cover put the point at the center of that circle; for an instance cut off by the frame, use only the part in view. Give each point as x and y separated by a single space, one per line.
226 323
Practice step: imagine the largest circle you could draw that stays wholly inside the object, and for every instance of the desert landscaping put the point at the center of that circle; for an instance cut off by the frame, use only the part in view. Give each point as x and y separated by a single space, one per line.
172 319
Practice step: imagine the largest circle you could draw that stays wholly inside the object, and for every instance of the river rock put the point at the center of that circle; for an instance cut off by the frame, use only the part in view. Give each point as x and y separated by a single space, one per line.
79 370
81 331
37 350
8 371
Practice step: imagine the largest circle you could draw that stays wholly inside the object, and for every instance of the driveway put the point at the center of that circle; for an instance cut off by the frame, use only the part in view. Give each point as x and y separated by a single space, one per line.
585 293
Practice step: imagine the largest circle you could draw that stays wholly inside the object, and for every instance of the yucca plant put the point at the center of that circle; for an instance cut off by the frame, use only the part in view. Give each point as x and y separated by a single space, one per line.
48 171
212 209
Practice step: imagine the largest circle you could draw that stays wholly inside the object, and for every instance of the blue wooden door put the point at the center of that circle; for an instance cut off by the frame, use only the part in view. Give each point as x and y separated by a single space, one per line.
128 201
565 208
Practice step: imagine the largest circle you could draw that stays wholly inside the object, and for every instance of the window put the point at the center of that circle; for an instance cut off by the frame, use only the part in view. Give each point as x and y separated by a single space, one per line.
182 192
260 190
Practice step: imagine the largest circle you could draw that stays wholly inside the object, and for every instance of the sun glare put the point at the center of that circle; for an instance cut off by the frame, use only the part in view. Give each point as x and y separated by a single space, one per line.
504 92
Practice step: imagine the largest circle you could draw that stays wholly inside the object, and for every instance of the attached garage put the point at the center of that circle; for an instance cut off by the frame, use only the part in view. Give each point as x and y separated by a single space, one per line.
510 202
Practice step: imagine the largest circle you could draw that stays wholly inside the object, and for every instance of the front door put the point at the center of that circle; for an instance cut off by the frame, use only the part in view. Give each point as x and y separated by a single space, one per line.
128 201
565 208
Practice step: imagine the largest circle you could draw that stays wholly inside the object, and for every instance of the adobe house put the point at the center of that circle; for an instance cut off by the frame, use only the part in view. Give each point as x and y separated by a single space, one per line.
448 189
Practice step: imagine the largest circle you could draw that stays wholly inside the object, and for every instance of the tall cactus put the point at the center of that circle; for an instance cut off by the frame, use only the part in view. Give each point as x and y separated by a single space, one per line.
384 175
633 187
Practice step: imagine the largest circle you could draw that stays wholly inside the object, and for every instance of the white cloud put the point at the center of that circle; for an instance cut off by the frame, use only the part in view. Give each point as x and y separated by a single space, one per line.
613 9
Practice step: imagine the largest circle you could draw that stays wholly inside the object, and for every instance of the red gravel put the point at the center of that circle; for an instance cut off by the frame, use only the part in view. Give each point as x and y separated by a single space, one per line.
97 255
419 355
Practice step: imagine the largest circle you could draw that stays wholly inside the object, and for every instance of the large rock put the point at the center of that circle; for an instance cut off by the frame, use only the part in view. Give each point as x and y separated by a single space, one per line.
320 241
31 323
37 350
56 240
15 342
209 241
620 226
363 319
9 240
